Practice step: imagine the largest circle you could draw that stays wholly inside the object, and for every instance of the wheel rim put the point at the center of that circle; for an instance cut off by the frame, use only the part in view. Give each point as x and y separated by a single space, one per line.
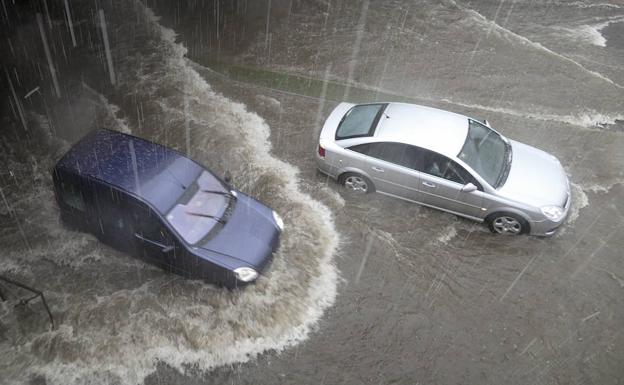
356 183
507 225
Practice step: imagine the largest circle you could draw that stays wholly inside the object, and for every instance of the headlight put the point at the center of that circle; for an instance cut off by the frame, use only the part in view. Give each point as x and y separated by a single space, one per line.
278 220
245 274
554 213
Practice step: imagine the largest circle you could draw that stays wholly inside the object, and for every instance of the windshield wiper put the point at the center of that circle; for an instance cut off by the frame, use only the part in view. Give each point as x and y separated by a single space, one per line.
218 192
218 219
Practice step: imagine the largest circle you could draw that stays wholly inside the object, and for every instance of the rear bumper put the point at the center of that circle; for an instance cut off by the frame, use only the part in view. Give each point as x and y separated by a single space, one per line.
322 164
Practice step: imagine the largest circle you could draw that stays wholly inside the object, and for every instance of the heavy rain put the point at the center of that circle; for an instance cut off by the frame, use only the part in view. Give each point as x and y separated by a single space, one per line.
363 288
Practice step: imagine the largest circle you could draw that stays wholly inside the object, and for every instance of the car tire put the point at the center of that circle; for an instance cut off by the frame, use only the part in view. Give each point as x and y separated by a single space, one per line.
356 183
507 224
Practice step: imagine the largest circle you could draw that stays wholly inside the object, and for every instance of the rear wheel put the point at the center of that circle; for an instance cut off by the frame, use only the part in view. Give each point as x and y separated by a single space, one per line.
357 183
507 223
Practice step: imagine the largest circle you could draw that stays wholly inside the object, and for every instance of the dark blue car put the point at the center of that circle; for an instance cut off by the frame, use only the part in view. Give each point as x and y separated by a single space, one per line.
151 201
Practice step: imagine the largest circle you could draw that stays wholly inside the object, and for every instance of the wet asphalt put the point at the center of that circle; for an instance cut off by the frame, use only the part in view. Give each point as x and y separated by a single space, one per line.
427 297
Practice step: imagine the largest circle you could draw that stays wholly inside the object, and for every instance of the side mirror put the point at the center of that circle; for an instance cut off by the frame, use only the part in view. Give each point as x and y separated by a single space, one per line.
167 249
227 176
469 187
486 123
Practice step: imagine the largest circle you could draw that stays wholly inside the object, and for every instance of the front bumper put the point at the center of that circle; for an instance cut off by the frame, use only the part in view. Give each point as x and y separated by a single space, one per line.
547 228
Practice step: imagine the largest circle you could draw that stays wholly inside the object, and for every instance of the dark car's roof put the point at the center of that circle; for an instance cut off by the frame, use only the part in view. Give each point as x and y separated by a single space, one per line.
153 172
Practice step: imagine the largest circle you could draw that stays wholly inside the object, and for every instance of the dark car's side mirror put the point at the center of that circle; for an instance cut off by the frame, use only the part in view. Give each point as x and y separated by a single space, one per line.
167 249
469 187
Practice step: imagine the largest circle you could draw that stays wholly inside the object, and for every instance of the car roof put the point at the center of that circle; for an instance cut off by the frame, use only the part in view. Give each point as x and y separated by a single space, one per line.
152 172
437 130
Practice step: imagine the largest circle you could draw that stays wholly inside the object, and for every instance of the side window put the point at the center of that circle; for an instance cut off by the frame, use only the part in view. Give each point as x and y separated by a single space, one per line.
72 196
149 225
465 175
442 167
361 148
397 153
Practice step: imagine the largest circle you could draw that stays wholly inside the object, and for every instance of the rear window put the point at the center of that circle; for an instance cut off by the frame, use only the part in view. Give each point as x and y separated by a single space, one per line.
360 121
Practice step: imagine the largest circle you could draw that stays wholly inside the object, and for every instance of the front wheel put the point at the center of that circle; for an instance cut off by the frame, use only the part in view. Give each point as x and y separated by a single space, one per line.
357 183
508 224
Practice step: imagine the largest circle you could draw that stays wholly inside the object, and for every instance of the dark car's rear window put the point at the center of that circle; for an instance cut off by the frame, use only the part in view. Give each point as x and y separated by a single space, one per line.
360 121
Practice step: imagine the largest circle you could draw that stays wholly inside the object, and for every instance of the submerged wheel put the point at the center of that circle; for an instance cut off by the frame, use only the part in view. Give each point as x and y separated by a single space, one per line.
357 183
507 223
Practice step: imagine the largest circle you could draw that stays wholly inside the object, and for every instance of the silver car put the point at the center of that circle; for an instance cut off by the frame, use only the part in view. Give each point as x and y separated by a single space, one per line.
445 160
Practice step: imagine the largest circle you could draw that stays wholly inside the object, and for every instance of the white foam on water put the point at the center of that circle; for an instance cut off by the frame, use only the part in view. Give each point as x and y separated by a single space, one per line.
502 32
588 34
269 102
579 202
121 124
602 188
580 4
586 119
447 234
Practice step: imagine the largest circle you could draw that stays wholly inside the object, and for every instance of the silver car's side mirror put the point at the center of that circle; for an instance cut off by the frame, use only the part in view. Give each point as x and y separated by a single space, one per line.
469 187
486 123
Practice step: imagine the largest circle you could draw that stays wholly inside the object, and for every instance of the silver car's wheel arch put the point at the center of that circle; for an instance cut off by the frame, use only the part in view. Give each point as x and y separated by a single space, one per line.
509 223
356 182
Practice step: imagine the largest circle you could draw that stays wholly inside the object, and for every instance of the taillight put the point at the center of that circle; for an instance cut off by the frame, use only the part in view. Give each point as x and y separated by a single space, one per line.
321 151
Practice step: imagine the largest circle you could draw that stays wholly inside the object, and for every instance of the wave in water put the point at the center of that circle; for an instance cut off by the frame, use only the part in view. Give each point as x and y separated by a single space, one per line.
491 26
586 119
118 317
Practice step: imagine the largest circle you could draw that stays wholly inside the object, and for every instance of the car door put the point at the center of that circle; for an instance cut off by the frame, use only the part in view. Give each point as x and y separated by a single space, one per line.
441 184
391 166
155 242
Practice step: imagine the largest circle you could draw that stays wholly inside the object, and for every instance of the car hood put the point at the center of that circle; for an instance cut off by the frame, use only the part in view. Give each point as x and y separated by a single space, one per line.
536 178
250 234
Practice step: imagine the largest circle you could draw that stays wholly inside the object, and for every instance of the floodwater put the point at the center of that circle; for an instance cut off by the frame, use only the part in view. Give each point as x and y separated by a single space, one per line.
364 289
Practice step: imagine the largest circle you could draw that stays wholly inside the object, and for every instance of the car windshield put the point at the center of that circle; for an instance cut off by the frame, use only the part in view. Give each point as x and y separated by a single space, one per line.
360 121
200 209
487 152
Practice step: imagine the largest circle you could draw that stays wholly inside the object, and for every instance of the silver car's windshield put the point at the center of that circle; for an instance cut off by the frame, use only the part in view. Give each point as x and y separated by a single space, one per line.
486 152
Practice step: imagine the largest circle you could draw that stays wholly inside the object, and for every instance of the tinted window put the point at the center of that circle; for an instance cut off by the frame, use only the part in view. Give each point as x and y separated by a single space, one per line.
360 121
443 167
149 225
397 153
72 196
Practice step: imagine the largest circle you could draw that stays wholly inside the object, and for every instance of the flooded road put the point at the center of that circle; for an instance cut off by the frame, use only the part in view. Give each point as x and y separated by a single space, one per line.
365 289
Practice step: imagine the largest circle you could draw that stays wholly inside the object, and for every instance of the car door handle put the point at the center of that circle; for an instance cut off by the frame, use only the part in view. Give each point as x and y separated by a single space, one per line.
428 184
378 169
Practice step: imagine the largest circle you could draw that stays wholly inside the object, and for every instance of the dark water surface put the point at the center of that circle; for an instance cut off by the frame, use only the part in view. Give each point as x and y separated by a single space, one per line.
423 296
